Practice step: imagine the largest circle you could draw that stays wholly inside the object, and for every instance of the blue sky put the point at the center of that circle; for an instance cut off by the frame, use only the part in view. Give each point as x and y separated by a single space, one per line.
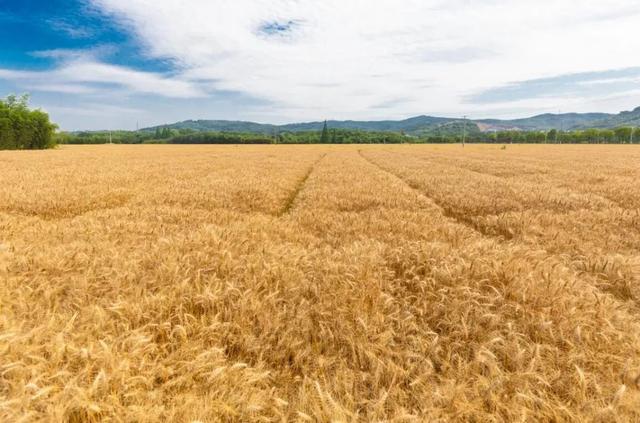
107 64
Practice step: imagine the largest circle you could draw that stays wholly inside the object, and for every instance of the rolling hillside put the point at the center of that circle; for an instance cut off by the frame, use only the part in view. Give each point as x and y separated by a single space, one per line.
425 124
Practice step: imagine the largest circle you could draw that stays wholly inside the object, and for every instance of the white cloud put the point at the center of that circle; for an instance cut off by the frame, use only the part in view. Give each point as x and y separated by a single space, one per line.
66 54
341 58
92 110
137 81
80 73
290 60
70 28
65 88
14 75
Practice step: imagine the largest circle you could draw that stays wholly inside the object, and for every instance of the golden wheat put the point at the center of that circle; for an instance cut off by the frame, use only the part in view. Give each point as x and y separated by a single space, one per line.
320 283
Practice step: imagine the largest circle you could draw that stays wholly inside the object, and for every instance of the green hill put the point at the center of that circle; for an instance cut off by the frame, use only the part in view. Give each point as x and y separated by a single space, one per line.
422 125
631 118
548 121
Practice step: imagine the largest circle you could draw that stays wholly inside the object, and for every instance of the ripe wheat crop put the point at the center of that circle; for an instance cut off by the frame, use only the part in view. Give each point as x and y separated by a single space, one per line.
320 283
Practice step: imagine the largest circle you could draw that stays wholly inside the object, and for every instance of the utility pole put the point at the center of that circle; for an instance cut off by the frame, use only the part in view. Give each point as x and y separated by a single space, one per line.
464 130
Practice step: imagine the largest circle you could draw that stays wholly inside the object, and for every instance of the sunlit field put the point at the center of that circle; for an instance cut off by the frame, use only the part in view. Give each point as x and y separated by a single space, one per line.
320 283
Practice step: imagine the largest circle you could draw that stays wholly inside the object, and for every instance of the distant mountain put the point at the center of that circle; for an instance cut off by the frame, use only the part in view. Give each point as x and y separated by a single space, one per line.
408 125
548 121
631 118
425 124
219 125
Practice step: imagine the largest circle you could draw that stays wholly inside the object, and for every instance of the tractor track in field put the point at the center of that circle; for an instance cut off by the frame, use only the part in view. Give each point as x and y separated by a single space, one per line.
291 199
506 237
606 199
446 211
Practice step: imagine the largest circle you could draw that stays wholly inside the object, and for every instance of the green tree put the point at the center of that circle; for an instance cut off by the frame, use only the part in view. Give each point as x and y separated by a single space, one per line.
22 128
592 135
623 134
607 136
324 138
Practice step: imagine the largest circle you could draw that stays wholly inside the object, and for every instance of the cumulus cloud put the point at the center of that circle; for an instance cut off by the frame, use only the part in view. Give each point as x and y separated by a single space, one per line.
313 58
354 59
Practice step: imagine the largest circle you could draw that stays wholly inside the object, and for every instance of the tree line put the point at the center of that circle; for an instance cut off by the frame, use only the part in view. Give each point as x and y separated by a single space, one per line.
450 133
22 128
187 136
104 137
621 135
328 136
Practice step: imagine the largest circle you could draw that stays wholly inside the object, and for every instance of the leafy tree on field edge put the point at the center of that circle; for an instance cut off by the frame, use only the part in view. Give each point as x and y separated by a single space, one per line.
22 128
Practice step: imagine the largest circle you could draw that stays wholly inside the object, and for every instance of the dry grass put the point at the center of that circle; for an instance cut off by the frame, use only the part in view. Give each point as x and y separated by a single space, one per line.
320 283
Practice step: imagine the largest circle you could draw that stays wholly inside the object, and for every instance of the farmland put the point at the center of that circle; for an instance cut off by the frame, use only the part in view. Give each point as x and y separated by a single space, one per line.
320 283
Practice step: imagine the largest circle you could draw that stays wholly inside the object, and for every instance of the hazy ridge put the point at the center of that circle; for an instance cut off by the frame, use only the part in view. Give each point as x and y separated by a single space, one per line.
425 124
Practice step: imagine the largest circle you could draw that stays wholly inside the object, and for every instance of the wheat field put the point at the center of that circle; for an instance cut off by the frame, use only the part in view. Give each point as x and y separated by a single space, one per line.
320 283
